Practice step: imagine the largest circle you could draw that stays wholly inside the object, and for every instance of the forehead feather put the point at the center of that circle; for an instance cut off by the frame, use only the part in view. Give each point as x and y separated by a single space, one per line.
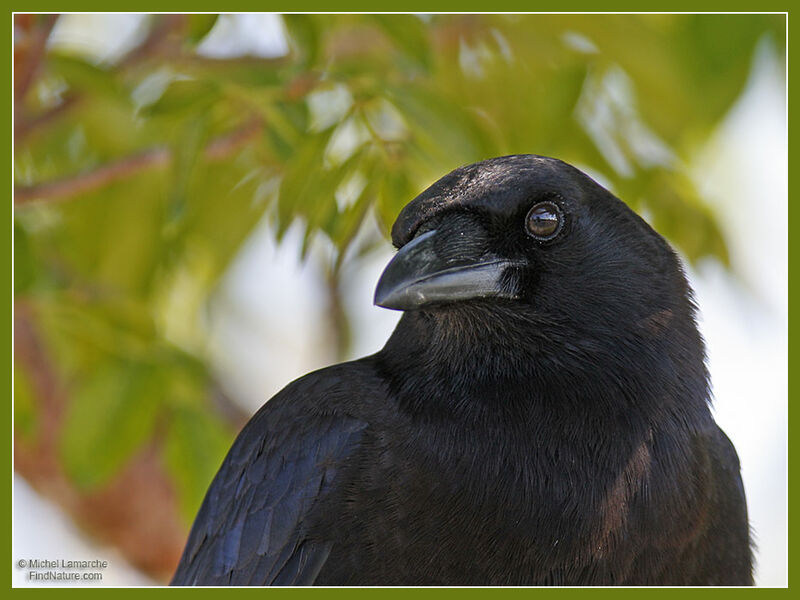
497 185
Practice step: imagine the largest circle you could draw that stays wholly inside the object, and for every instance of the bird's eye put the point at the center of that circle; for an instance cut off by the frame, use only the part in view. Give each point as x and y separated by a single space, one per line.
544 221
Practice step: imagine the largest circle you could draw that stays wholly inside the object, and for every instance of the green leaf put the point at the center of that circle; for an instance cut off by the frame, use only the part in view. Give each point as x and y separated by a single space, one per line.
86 77
199 26
411 36
110 415
304 37
225 201
445 131
305 184
184 95
287 128
343 226
193 450
113 237
394 192
25 418
681 215
187 152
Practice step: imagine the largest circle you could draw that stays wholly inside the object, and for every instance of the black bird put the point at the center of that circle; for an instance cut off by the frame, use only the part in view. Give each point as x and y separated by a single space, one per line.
540 415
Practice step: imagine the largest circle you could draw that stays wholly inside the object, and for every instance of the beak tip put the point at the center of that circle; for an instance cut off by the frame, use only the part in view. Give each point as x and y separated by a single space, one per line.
383 300
379 297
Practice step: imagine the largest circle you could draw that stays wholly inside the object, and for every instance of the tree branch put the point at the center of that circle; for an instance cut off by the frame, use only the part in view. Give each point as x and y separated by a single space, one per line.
155 39
91 180
24 126
60 189
25 72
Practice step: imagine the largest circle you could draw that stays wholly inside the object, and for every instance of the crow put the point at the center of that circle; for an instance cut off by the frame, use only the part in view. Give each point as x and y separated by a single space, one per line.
539 416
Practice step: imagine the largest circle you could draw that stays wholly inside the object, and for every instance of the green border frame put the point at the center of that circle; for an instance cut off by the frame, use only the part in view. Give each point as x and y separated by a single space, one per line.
366 6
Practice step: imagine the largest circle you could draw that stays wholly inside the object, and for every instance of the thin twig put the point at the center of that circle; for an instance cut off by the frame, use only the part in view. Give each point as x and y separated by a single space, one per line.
218 149
26 125
91 180
165 25
338 319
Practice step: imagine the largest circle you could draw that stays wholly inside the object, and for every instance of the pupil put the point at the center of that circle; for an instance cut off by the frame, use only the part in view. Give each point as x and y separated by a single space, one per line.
543 221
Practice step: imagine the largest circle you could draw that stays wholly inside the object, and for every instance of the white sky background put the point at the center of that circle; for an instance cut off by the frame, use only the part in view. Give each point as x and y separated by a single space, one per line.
267 319
744 170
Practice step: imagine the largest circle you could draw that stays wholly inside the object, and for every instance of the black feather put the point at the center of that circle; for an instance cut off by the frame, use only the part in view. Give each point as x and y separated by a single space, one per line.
551 428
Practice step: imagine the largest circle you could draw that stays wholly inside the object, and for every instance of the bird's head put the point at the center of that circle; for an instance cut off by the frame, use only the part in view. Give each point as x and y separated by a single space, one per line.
545 244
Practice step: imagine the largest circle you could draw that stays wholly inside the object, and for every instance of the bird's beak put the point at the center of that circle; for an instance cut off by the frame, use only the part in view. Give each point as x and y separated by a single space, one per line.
418 276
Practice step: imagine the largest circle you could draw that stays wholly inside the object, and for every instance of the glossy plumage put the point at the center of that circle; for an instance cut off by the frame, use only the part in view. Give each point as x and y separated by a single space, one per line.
548 425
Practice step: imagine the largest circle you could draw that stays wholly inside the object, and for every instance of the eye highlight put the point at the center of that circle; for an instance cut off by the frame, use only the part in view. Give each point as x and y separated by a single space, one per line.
544 221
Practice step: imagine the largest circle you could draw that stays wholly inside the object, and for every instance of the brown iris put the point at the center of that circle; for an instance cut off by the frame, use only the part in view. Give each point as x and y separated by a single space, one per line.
544 221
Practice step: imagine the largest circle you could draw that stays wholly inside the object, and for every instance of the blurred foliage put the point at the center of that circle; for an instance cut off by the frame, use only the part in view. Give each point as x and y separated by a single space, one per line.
138 179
